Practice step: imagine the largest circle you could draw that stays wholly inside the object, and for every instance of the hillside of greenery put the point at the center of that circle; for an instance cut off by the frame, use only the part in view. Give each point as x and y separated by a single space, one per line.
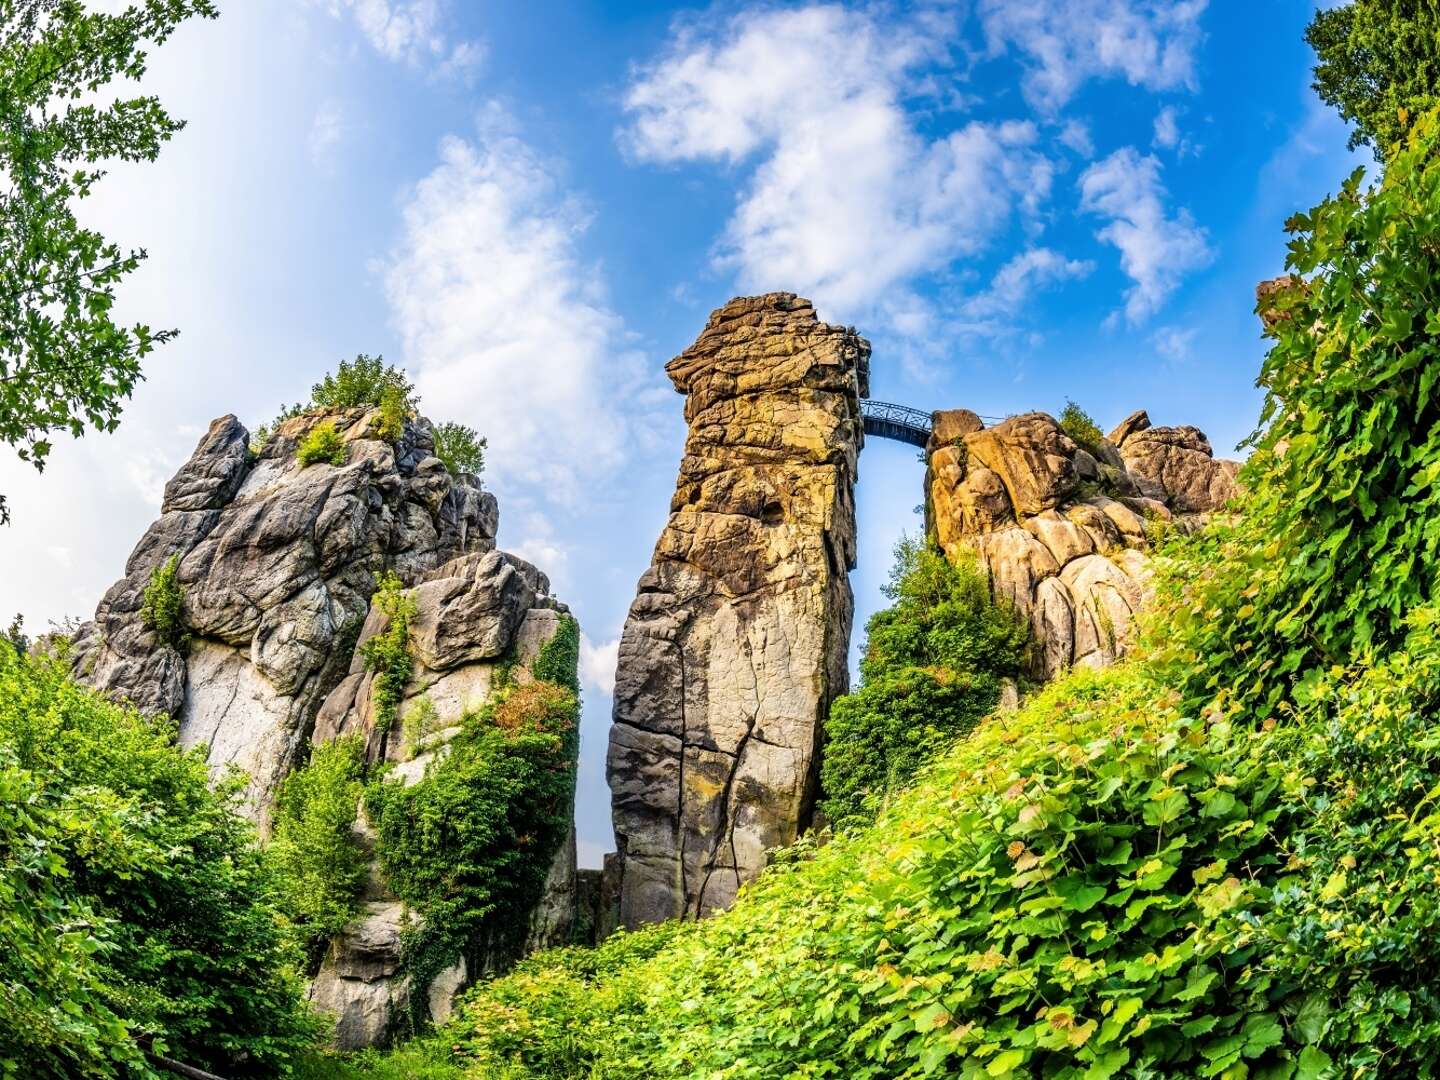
1221 859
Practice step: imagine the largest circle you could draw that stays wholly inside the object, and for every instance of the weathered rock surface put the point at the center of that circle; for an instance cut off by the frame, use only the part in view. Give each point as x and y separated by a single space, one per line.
277 563
1063 529
736 642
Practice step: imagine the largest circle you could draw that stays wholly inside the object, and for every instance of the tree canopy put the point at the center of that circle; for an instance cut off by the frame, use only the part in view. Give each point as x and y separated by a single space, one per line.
1379 64
65 362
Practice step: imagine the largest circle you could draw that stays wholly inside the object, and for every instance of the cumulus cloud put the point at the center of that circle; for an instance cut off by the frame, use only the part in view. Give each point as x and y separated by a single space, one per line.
1149 43
1075 135
847 199
1157 248
415 31
1020 277
597 664
502 323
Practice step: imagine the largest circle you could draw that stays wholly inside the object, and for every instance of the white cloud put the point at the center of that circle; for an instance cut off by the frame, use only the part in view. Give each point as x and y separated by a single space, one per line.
1173 342
415 31
1076 136
1167 129
1157 249
504 326
1149 43
1020 278
597 664
848 200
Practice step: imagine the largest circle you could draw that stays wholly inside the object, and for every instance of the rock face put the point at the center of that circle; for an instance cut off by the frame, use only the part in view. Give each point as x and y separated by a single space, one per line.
737 640
1063 530
278 564
474 615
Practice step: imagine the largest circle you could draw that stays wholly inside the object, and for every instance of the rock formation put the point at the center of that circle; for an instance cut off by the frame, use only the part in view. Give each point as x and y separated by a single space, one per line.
1063 529
278 564
738 638
474 616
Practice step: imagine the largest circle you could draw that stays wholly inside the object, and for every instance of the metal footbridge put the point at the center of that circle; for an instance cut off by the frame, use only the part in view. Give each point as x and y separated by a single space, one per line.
898 422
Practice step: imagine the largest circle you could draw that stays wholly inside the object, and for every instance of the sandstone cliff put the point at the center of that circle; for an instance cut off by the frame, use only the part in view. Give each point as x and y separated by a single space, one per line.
737 640
277 563
1064 529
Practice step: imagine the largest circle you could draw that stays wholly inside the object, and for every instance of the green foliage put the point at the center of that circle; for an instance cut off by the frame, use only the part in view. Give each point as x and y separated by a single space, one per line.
365 381
461 448
65 363
421 719
321 443
932 668
559 659
387 654
393 410
162 606
470 845
1379 65
135 910
15 635
1080 426
321 866
1337 540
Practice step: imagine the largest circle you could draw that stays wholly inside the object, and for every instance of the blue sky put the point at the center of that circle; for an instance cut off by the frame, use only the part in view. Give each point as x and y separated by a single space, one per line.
533 206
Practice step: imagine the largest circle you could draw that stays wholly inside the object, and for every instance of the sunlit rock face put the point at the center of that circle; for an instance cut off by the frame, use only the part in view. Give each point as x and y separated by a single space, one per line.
737 640
1064 531
278 563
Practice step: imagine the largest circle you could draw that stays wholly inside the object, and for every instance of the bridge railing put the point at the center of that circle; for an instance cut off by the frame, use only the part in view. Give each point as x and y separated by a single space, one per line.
899 422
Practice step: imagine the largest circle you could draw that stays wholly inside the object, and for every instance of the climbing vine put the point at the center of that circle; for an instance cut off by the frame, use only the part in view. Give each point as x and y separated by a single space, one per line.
387 654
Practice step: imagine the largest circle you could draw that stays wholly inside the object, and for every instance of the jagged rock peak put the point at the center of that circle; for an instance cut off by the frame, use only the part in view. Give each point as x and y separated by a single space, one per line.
277 563
1063 529
737 640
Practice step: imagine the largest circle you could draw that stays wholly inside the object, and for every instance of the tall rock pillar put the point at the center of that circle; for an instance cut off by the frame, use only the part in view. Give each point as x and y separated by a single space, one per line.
737 641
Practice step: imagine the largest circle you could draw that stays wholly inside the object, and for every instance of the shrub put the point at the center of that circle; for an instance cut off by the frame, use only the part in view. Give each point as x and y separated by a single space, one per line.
1336 542
461 448
321 443
470 845
421 719
135 910
387 654
393 411
162 605
1081 427
365 381
932 667
321 865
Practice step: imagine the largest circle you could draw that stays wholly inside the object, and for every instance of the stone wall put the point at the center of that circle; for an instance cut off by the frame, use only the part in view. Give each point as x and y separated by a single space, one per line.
737 640
1064 530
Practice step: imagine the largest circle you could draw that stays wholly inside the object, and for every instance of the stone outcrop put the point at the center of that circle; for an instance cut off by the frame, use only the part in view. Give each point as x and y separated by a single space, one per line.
278 564
475 616
1063 530
737 640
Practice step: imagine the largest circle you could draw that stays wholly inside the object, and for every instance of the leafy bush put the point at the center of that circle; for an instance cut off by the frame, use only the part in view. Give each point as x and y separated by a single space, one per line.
470 845
321 443
1337 540
1379 66
461 448
321 865
932 667
387 654
135 910
421 719
162 605
365 381
1080 426
393 411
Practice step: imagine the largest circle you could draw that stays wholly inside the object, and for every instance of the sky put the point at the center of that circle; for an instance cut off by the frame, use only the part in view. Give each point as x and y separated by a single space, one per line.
532 207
